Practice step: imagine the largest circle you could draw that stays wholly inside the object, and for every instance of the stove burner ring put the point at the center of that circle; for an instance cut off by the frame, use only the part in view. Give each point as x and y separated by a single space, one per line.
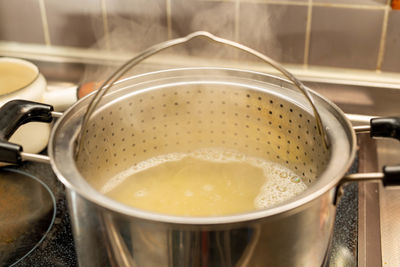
27 213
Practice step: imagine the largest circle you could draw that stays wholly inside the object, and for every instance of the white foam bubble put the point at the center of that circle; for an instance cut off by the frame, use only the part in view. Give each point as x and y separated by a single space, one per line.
281 184
140 193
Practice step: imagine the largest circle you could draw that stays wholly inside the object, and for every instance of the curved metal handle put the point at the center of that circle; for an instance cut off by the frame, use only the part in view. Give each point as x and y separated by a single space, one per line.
164 45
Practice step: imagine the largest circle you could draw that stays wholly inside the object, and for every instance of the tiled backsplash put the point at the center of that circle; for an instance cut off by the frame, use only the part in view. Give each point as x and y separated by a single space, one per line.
359 34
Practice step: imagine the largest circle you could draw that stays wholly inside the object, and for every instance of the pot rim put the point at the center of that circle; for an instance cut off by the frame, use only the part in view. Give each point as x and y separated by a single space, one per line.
101 200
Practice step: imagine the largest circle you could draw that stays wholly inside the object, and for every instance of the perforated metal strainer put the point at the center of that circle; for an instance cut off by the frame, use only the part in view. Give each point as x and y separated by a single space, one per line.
185 115
183 110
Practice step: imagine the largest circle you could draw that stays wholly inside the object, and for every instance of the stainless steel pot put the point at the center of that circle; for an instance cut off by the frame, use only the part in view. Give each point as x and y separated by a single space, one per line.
183 110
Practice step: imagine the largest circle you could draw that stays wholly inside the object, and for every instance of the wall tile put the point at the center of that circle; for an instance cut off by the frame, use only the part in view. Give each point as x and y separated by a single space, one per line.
136 25
391 61
354 2
20 21
343 37
74 22
216 17
276 30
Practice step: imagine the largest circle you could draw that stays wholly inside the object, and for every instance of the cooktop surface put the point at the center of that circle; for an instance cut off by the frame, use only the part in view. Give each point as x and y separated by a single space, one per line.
57 247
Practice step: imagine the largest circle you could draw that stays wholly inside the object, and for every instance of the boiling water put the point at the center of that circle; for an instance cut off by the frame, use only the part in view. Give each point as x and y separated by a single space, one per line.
204 183
14 76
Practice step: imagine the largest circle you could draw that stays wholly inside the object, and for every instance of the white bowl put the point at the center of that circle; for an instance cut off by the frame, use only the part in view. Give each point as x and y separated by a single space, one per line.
32 136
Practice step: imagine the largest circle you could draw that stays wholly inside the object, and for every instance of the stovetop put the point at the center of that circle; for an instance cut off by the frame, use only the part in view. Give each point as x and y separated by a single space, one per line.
57 248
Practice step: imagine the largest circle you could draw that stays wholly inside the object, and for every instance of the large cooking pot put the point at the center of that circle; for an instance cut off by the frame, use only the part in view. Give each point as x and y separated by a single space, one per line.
181 110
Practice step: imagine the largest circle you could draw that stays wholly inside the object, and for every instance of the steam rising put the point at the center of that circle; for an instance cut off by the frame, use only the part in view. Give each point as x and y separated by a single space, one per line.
133 26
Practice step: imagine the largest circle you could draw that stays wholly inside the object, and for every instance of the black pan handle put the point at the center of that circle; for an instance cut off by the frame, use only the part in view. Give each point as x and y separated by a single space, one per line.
391 176
385 127
14 114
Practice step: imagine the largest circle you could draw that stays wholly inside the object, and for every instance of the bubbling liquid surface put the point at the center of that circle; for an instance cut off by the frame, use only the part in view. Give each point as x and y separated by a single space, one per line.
208 182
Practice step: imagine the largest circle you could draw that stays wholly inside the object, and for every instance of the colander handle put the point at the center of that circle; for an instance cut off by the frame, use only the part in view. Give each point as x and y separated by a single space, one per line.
107 84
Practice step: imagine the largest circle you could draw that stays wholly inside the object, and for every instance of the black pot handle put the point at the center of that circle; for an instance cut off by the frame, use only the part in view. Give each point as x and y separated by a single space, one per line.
391 175
14 114
385 127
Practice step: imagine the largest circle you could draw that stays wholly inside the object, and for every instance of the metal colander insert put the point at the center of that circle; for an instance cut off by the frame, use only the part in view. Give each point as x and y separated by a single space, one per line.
185 110
188 116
